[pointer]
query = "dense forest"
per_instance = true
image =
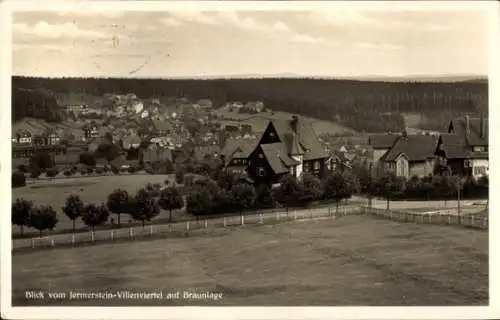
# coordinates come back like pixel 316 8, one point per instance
pixel 36 103
pixel 370 106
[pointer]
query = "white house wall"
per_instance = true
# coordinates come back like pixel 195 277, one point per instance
pixel 479 163
pixel 299 167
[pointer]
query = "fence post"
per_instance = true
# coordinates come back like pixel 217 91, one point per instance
pixel 261 218
pixel 92 235
pixel 187 226
pixel 277 216
pixel 449 218
pixel 206 223
pixel 131 232
pixel 52 243
pixel 485 223
pixel 33 242
pixel 472 218
pixel 225 222
pixel 112 234
pixel 345 211
pixel 73 239
pixel 294 214
pixel 242 220
pixel 151 230
pixel 312 213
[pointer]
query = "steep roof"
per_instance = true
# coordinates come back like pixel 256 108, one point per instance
pixel 474 138
pixel 306 138
pixel 239 148
pixel 382 141
pixel 414 147
pixel 453 146
pixel 274 153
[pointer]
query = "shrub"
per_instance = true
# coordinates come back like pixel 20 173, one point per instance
pixel 99 170
pixel 115 170
pixel 90 170
pixel 21 211
pixel 51 173
pixel 43 218
pixel 132 169
pixel 18 180
pixel 35 174
pixel 68 173
pixel 22 168
pixel 83 171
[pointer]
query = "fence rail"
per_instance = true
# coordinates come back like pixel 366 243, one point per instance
pixel 176 229
pixel 184 228
pixel 469 221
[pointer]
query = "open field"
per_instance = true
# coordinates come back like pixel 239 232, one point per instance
pixel 90 189
pixel 348 261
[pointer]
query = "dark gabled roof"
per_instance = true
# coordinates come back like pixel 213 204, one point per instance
pixel 474 138
pixel 275 154
pixel 455 146
pixel 305 135
pixel 382 141
pixel 280 150
pixel 239 148
pixel 414 147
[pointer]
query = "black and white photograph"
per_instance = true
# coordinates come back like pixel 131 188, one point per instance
pixel 226 155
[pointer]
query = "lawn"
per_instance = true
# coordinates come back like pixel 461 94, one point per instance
pixel 90 189
pixel 348 261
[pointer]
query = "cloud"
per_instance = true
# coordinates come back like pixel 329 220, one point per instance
pixel 304 38
pixel 46 30
pixel 339 18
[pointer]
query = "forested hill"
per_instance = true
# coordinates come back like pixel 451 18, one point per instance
pixel 371 106
pixel 36 103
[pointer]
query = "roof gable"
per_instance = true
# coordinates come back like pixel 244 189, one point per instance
pixel 382 141
pixel 414 147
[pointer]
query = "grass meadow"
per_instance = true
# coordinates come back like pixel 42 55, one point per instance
pixel 350 261
pixel 90 190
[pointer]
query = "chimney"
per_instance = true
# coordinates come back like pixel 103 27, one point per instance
pixel 404 132
pixel 482 126
pixel 293 123
pixel 467 124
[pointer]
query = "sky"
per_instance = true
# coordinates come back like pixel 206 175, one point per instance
pixel 323 43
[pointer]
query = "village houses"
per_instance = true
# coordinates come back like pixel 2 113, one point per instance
pixel 285 147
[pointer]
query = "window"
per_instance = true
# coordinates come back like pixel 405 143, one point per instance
pixel 479 170
pixel 261 155
pixel 292 170
pixel 317 165
pixel 261 172
pixel 468 163
pixel 478 149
